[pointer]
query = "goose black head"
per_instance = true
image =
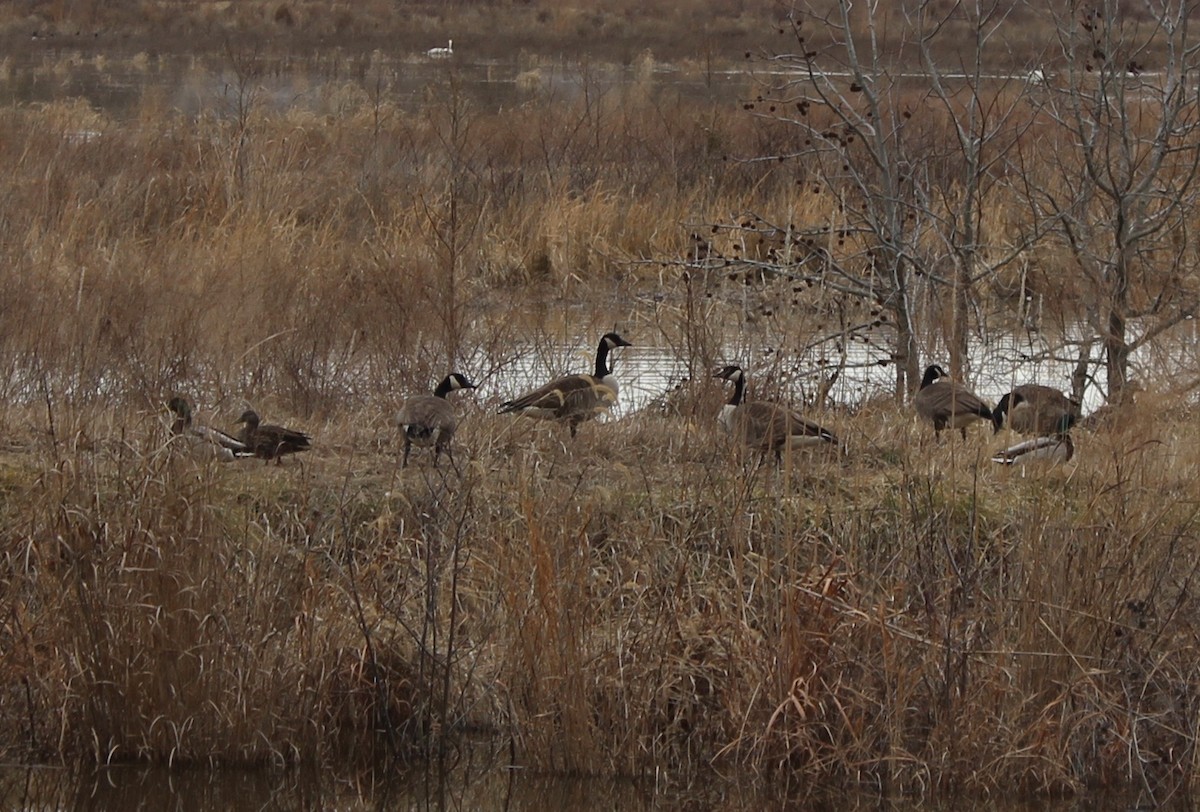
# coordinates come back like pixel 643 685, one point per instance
pixel 460 381
pixel 730 372
pixel 453 381
pixel 180 407
pixel 1008 402
pixel 932 373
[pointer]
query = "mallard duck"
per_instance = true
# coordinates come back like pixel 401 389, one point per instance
pixel 270 442
pixel 573 398
pixel 429 419
pixel 767 426
pixel 947 404
pixel 1052 448
pixel 204 440
pixel 1034 409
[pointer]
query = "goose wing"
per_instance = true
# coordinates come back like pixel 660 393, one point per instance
pixel 565 395
pixel 1042 410
pixel 771 424
pixel 944 401
pixel 425 415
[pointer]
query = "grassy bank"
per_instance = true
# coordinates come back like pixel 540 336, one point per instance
pixel 639 599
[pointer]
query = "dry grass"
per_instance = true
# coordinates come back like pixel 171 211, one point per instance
pixel 640 599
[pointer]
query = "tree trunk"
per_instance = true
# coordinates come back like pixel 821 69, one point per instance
pixel 958 334
pixel 1116 347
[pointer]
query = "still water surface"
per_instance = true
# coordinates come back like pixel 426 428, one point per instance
pixel 476 785
pixel 117 82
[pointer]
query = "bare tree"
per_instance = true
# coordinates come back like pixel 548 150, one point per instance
pixel 910 153
pixel 1124 151
pixel 453 208
pixel 861 145
pixel 983 108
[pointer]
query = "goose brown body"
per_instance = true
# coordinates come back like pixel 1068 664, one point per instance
pixel 573 398
pixel 429 420
pixel 946 404
pixel 1035 409
pixel 268 441
pixel 766 426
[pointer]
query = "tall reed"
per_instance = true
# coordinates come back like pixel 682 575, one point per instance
pixel 643 598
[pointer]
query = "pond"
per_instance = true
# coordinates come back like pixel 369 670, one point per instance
pixel 474 783
pixel 117 82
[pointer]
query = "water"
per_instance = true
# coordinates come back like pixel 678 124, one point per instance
pixel 647 373
pixel 117 82
pixel 479 783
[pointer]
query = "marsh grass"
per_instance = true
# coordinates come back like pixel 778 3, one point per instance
pixel 643 599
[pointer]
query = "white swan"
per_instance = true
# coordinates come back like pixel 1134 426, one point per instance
pixel 442 52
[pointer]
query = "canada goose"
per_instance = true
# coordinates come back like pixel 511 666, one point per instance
pixel 767 426
pixel 1035 409
pixel 1051 448
pixel 947 404
pixel 573 398
pixel 442 53
pixel 204 440
pixel 270 442
pixel 429 420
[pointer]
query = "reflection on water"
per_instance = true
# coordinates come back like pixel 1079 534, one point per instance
pixel 117 82
pixel 477 783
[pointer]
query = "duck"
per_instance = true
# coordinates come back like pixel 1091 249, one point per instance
pixel 270 442
pixel 947 404
pixel 204 440
pixel 429 420
pixel 573 398
pixel 1050 448
pixel 1035 409
pixel 764 425
pixel 442 52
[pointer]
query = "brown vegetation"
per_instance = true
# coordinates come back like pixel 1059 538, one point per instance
pixel 646 597
pixel 709 31
pixel 640 599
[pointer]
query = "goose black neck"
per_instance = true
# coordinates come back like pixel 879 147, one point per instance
pixel 602 369
pixel 444 387
pixel 1000 411
pixel 739 388
pixel 931 375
